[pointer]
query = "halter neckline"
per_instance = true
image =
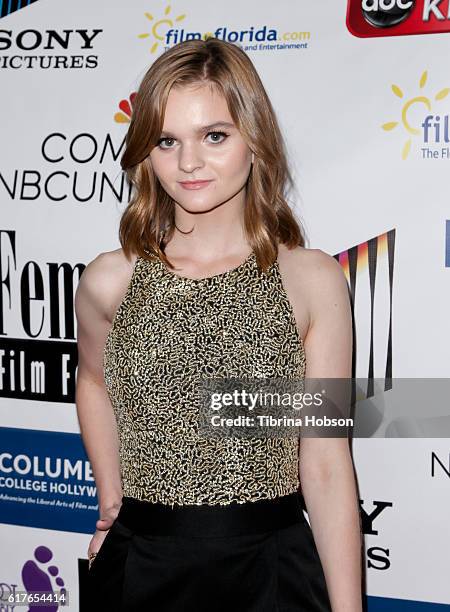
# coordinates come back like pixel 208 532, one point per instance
pixel 206 279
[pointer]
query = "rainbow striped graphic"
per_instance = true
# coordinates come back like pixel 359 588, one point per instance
pixel 369 268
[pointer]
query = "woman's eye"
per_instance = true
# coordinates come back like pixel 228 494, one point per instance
pixel 161 140
pixel 218 134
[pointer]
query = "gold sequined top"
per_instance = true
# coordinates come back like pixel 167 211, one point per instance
pixel 167 332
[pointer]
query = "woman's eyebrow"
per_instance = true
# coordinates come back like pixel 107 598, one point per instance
pixel 204 128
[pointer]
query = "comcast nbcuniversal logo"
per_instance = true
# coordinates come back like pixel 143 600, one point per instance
pixel 433 131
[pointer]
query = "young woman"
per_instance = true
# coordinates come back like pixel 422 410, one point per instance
pixel 212 280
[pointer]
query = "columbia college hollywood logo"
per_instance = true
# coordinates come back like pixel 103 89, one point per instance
pixel 370 18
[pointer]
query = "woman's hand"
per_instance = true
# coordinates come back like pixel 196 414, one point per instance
pixel 103 525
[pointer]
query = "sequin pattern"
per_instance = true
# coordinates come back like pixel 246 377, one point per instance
pixel 167 332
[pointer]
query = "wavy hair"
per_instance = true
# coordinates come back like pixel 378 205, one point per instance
pixel 148 222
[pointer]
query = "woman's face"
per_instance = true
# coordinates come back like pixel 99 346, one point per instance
pixel 200 142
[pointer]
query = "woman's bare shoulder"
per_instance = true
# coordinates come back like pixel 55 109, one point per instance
pixel 311 277
pixel 306 262
pixel 312 270
pixel 105 279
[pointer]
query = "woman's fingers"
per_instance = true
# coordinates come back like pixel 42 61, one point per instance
pixel 95 544
pixel 91 556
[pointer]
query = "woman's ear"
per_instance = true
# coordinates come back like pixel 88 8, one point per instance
pixel 253 157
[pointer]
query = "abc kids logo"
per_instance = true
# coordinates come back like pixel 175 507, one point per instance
pixel 386 13
pixel 371 18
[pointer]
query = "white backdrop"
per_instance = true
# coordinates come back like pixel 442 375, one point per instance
pixel 333 92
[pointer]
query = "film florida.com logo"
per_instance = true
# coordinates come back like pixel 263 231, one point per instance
pixel 165 28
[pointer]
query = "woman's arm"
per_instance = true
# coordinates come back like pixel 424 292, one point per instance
pixel 93 299
pixel 326 468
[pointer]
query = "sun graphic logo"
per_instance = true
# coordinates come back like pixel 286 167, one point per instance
pixel 126 110
pixel 430 128
pixel 159 27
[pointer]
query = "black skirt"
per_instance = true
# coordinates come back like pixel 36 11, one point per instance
pixel 252 557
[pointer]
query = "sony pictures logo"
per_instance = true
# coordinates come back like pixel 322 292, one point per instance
pixel 49 49
pixel 386 13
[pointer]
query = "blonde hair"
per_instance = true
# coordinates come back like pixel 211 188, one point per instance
pixel 148 222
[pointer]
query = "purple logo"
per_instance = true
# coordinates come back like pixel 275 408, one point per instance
pixel 42 577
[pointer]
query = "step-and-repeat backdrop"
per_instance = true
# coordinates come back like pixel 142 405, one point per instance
pixel 361 90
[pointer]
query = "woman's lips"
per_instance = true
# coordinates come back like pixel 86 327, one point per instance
pixel 194 184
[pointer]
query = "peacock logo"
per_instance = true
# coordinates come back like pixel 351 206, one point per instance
pixel 126 109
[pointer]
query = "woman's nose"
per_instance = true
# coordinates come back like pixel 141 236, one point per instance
pixel 190 157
